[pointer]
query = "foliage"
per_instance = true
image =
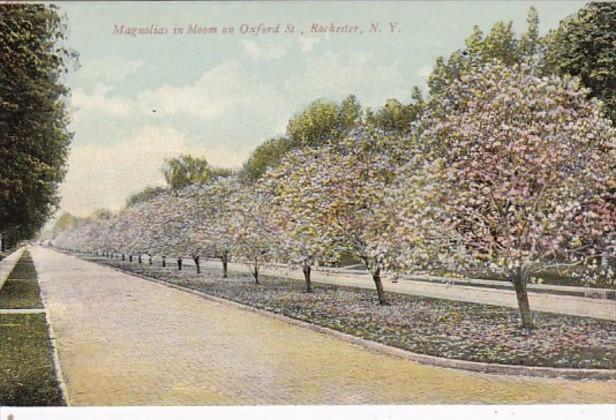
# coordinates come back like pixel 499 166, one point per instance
pixel 266 155
pixel 101 214
pixel 320 123
pixel 324 122
pixel 395 117
pixel 505 167
pixel 531 162
pixel 499 44
pixel 33 117
pixel 66 221
pixel 144 195
pixel 333 199
pixel 186 170
pixel 584 45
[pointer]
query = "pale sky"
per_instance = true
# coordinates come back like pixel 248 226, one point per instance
pixel 219 96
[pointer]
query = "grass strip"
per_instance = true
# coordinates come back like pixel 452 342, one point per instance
pixel 27 373
pixel 438 327
pixel 21 290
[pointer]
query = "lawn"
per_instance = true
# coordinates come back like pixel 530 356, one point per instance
pixel 21 290
pixel 24 269
pixel 27 375
pixel 457 330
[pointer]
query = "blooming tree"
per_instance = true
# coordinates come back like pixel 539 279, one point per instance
pixel 247 223
pixel 334 199
pixel 214 233
pixel 522 177
pixel 296 237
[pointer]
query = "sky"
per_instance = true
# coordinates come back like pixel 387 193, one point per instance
pixel 137 100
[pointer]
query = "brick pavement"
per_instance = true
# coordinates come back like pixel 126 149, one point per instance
pixel 125 341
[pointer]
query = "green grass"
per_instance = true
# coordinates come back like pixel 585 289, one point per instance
pixel 27 374
pixel 24 269
pixel 20 294
pixel 21 290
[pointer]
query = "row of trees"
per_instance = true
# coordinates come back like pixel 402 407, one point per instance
pixel 34 138
pixel 507 171
pixel 582 46
pixel 507 166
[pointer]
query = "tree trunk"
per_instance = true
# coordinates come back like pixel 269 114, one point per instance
pixel 139 258
pixel 519 283
pixel 179 263
pixel 376 277
pixel 225 261
pixel 196 259
pixel 130 258
pixel 255 272
pixel 306 269
pixel 150 259
pixel 123 257
pixel 164 261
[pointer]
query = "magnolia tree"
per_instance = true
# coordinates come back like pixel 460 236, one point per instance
pixel 185 212
pixel 334 199
pixel 296 238
pixel 518 177
pixel 247 223
pixel 214 233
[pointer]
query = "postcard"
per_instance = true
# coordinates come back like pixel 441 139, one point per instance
pixel 274 209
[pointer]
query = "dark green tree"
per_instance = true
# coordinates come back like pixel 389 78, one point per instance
pixel 66 221
pixel 396 117
pixel 500 44
pixel 266 155
pixel 34 138
pixel 584 45
pixel 320 123
pixel 186 170
pixel 144 195
pixel 324 121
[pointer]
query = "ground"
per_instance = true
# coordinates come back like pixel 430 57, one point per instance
pixel 123 340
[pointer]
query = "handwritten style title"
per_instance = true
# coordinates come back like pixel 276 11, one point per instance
pixel 257 29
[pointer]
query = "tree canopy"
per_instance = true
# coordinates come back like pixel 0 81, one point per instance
pixel 584 45
pixel 34 137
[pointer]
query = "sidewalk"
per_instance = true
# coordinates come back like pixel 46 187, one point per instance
pixel 123 340
pixel 591 292
pixel 561 304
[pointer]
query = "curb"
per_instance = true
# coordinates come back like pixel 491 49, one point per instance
pixel 56 359
pixel 54 350
pixel 481 367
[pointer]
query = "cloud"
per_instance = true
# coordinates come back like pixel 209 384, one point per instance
pixel 265 52
pixel 120 144
pixel 226 90
pixel 110 69
pixel 307 43
pixel 424 71
pixel 99 101
pixel 104 176
pixel 334 76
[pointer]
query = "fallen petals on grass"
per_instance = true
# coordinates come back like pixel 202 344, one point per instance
pixel 438 327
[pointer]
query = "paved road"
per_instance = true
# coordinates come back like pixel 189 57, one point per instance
pixel 126 341
pixel 571 305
